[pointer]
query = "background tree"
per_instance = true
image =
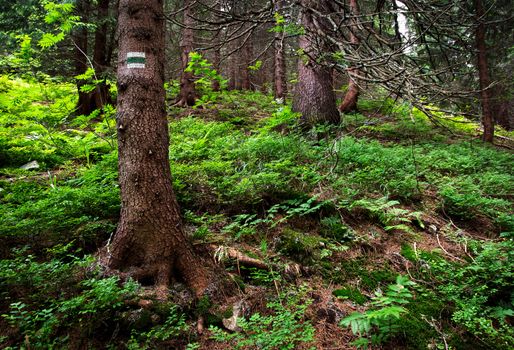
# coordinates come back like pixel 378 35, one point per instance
pixel 314 94
pixel 187 94
pixel 279 76
pixel 349 102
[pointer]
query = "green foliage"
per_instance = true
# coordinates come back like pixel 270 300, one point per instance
pixel 58 210
pixel 53 301
pixel 205 75
pixel 283 117
pixel 243 167
pixel 285 328
pixel 60 15
pixel 300 246
pixel 213 161
pixel 481 291
pixel 350 293
pixel 388 214
pixel 472 180
pixel 174 326
pixel 381 322
pixel 334 228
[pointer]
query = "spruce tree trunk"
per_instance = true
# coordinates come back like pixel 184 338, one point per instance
pixel 80 58
pixel 351 97
pixel 149 242
pixel 279 58
pixel 216 61
pixel 483 74
pixel 101 95
pixel 187 95
pixel 246 83
pixel 314 95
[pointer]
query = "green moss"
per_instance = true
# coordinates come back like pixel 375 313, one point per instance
pixel 408 252
pixel 373 279
pixel 350 293
pixel 299 246
pixel 416 332
pixel 203 305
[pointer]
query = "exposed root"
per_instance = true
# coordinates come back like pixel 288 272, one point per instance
pixel 222 252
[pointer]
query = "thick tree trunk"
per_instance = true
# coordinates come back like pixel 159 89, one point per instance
pixel 349 102
pixel 187 95
pixel 314 95
pixel 280 82
pixel 483 74
pixel 149 242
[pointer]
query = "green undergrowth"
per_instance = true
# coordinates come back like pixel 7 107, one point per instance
pixel 245 173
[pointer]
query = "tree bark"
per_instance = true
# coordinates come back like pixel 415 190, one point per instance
pixel 246 83
pixel 80 58
pixel 483 74
pixel 351 97
pixel 149 243
pixel 216 86
pixel 101 95
pixel 314 95
pixel 280 82
pixel 187 95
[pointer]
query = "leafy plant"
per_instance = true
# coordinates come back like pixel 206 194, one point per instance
pixel 284 329
pixel 481 291
pixel 174 326
pixel 388 213
pixel 378 324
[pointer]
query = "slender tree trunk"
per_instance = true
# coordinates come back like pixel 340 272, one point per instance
pixel 246 83
pixel 149 242
pixel 483 74
pixel 280 81
pixel 187 95
pixel 101 94
pixel 216 57
pixel 217 61
pixel 349 102
pixel 80 57
pixel 314 95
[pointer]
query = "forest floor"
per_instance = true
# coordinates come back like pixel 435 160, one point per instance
pixel 389 230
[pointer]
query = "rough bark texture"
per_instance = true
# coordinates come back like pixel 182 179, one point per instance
pixel 483 74
pixel 187 95
pixel 314 96
pixel 149 243
pixel 280 82
pixel 349 102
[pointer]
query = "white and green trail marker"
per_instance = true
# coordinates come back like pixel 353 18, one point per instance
pixel 136 60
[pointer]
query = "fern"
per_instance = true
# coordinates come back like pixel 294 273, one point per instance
pixel 379 323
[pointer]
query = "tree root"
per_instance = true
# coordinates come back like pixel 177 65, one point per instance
pixel 222 252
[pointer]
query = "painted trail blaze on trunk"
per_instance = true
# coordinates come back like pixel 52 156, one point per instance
pixel 149 242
